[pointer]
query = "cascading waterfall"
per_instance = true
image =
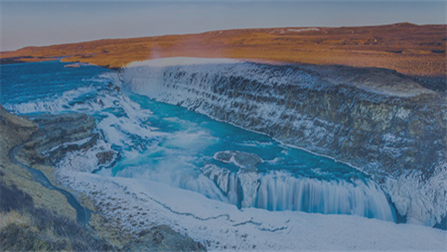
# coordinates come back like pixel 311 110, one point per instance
pixel 280 191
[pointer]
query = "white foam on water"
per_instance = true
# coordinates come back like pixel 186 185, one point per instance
pixel 280 191
pixel 184 61
pixel 121 121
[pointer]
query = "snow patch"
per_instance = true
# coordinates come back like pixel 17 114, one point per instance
pixel 423 202
pixel 303 29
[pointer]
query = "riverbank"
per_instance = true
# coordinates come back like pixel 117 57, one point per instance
pixel 49 216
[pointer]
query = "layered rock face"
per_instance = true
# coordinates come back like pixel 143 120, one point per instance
pixel 163 238
pixel 377 120
pixel 59 134
pixel 14 130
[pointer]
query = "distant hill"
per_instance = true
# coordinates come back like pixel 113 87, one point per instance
pixel 416 50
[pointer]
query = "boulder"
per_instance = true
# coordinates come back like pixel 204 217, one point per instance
pixel 163 238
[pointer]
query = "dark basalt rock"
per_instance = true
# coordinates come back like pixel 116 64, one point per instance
pixel 105 157
pixel 163 238
pixel 59 134
pixel 14 130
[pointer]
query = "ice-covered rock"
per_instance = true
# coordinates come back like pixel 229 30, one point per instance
pixel 239 187
pixel 249 180
pixel 70 141
pixel 241 159
pixel 219 175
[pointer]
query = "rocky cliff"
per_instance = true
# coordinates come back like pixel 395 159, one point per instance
pixel 375 119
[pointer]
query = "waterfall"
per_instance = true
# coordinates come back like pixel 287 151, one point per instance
pixel 280 191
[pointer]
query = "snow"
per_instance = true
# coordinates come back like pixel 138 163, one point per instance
pixel 65 145
pixel 424 203
pixel 240 159
pixel 303 29
pixel 138 204
pixel 85 161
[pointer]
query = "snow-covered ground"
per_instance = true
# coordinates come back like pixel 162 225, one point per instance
pixel 138 204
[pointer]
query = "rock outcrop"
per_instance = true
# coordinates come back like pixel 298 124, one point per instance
pixel 59 134
pixel 163 238
pixel 241 159
pixel 14 130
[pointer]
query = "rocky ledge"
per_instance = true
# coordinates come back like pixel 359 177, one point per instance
pixel 58 135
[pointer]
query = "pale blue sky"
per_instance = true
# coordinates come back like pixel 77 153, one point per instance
pixel 26 23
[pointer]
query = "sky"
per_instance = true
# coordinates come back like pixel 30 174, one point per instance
pixel 37 23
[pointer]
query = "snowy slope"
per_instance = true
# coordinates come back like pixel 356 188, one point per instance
pixel 139 204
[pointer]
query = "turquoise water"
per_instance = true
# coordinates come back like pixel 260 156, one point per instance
pixel 204 137
pixel 170 144
pixel 28 82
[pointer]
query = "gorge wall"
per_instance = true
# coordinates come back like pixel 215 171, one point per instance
pixel 380 121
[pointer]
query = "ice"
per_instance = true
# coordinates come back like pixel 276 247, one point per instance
pixel 423 203
pixel 220 176
pixel 249 180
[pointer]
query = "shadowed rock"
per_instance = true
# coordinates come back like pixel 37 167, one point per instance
pixel 59 134
pixel 163 238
